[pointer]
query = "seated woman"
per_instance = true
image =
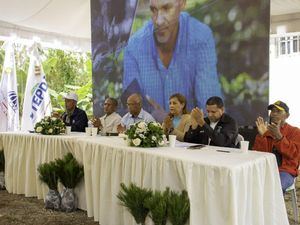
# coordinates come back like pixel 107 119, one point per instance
pixel 178 120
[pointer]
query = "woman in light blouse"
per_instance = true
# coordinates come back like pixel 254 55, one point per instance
pixel 178 120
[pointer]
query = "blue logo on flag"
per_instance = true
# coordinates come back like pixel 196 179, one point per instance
pixel 13 100
pixel 38 98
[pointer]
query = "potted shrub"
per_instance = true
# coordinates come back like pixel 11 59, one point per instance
pixel 133 198
pixel 48 173
pixel 178 207
pixel 2 168
pixel 70 173
pixel 157 204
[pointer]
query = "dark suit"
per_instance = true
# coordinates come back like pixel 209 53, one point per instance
pixel 78 120
pixel 224 134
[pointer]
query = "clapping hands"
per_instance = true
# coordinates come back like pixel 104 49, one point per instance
pixel 168 121
pixel 263 127
pixel 274 129
pixel 96 122
pixel 198 116
pixel 121 129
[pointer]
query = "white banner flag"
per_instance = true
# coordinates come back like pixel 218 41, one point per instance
pixel 9 104
pixel 37 102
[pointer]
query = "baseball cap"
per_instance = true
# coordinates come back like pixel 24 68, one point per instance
pixel 72 96
pixel 279 105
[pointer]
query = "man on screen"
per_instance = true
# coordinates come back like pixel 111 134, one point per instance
pixel 172 53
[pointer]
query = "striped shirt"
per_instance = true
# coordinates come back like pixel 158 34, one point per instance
pixel 191 72
pixel 128 119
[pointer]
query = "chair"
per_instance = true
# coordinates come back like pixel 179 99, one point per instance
pixel 249 133
pixel 238 140
pixel 292 189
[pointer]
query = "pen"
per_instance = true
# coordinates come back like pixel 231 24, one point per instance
pixel 223 151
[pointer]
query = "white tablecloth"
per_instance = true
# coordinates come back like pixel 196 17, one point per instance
pixel 224 188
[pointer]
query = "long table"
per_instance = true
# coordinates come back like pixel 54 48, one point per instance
pixel 224 188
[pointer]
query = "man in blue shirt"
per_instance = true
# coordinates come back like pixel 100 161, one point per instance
pixel 172 53
pixel 135 114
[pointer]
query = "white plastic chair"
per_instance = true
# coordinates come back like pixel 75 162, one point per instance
pixel 292 189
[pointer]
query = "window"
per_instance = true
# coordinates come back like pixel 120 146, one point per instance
pixel 282 46
pixel 295 44
pixel 288 45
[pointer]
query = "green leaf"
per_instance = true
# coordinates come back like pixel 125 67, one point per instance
pixel 70 172
pixel 133 198
pixel 157 205
pixel 48 173
pixel 178 207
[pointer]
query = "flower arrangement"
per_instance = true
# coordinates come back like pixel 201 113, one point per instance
pixel 143 134
pixel 50 126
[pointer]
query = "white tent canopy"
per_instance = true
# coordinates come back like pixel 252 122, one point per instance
pixel 66 23
pixel 57 23
pixel 280 7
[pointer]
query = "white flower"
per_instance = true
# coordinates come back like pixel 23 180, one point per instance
pixel 161 143
pixel 53 118
pixel 39 129
pixel 136 141
pixel 142 125
pixel 50 131
pixel 154 138
pixel 142 136
pixel 138 130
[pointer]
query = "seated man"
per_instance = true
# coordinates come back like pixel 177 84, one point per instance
pixel 218 128
pixel 281 139
pixel 135 114
pixel 74 117
pixel 110 121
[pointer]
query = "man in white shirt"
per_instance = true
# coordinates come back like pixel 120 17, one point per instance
pixel 110 121
pixel 135 114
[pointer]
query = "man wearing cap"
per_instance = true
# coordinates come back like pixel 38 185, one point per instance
pixel 74 117
pixel 282 139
